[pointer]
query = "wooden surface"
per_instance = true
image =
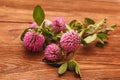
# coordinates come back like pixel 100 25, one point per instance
pixel 96 64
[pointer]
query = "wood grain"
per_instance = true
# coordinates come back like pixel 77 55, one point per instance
pixel 96 64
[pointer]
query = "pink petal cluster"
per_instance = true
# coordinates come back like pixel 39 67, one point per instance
pixel 47 22
pixel 52 52
pixel 33 25
pixel 58 24
pixel 33 41
pixel 70 41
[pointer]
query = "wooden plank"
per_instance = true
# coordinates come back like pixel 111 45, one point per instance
pixel 16 61
pixel 21 11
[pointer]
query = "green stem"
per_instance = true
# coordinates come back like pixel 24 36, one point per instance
pixel 82 32
pixel 68 27
pixel 70 56
pixel 39 27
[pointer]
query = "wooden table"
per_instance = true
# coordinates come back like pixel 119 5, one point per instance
pixel 95 63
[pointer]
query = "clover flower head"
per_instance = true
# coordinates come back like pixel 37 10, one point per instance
pixel 33 41
pixel 33 25
pixel 70 41
pixel 52 52
pixel 58 24
pixel 47 22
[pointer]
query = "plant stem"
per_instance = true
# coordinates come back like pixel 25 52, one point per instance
pixel 82 32
pixel 39 27
pixel 68 27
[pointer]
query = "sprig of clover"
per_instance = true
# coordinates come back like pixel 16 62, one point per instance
pixel 89 31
